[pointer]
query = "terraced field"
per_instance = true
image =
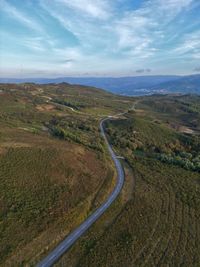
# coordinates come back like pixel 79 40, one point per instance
pixel 174 238
pixel 155 228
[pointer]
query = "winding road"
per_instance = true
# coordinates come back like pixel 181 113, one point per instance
pixel 57 252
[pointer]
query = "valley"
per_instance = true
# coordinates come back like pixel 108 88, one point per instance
pixel 56 171
pixel 99 133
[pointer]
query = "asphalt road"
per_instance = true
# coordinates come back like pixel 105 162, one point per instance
pixel 54 255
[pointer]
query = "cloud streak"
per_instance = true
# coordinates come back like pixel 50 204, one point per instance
pixel 111 36
pixel 19 16
pixel 96 9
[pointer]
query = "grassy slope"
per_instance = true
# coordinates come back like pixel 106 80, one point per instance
pixel 48 185
pixel 156 219
pixel 159 223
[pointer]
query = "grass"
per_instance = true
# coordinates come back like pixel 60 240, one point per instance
pixel 51 182
pixel 156 227
pixel 49 185
pixel 159 224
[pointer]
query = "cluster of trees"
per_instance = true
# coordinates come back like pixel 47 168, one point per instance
pixel 73 123
pixel 154 141
pixel 75 106
pixel 183 159
pixel 191 106
pixel 64 134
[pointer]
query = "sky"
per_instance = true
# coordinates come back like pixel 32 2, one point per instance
pixel 57 38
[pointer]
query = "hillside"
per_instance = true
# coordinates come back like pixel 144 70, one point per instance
pixel 123 85
pixel 184 85
pixel 156 219
pixel 54 169
pixel 132 86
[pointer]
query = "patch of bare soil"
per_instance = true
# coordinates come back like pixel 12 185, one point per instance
pixel 181 128
pixel 139 111
pixel 13 144
pixel 184 129
pixel 45 107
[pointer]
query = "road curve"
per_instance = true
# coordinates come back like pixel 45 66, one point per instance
pixel 57 252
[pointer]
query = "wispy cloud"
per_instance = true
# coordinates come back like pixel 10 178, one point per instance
pixel 189 45
pixel 97 9
pixel 116 36
pixel 143 29
pixel 34 43
pixel 132 33
pixel 20 16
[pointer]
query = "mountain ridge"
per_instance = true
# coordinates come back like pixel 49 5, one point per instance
pixel 129 85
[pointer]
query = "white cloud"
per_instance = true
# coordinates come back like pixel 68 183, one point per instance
pixel 142 30
pixel 34 43
pixel 92 35
pixel 97 9
pixel 166 10
pixel 134 36
pixel 107 37
pixel 175 5
pixel 24 19
pixel 190 43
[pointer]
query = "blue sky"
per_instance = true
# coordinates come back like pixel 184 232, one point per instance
pixel 52 38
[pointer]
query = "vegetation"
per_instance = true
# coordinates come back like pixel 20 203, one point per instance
pixel 55 170
pixel 184 159
pixel 158 224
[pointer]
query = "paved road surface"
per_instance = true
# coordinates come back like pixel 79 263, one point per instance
pixel 54 255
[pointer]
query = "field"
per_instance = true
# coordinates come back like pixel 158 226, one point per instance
pixel 158 222
pixel 156 227
pixel 55 170
pixel 49 182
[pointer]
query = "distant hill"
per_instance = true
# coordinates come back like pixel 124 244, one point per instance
pixel 121 85
pixel 184 85
pixel 138 85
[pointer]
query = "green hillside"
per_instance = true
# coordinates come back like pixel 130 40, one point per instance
pixel 50 180
pixel 156 219
pixel 55 170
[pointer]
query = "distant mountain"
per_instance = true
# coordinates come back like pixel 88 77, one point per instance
pixel 123 85
pixel 138 85
pixel 184 85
